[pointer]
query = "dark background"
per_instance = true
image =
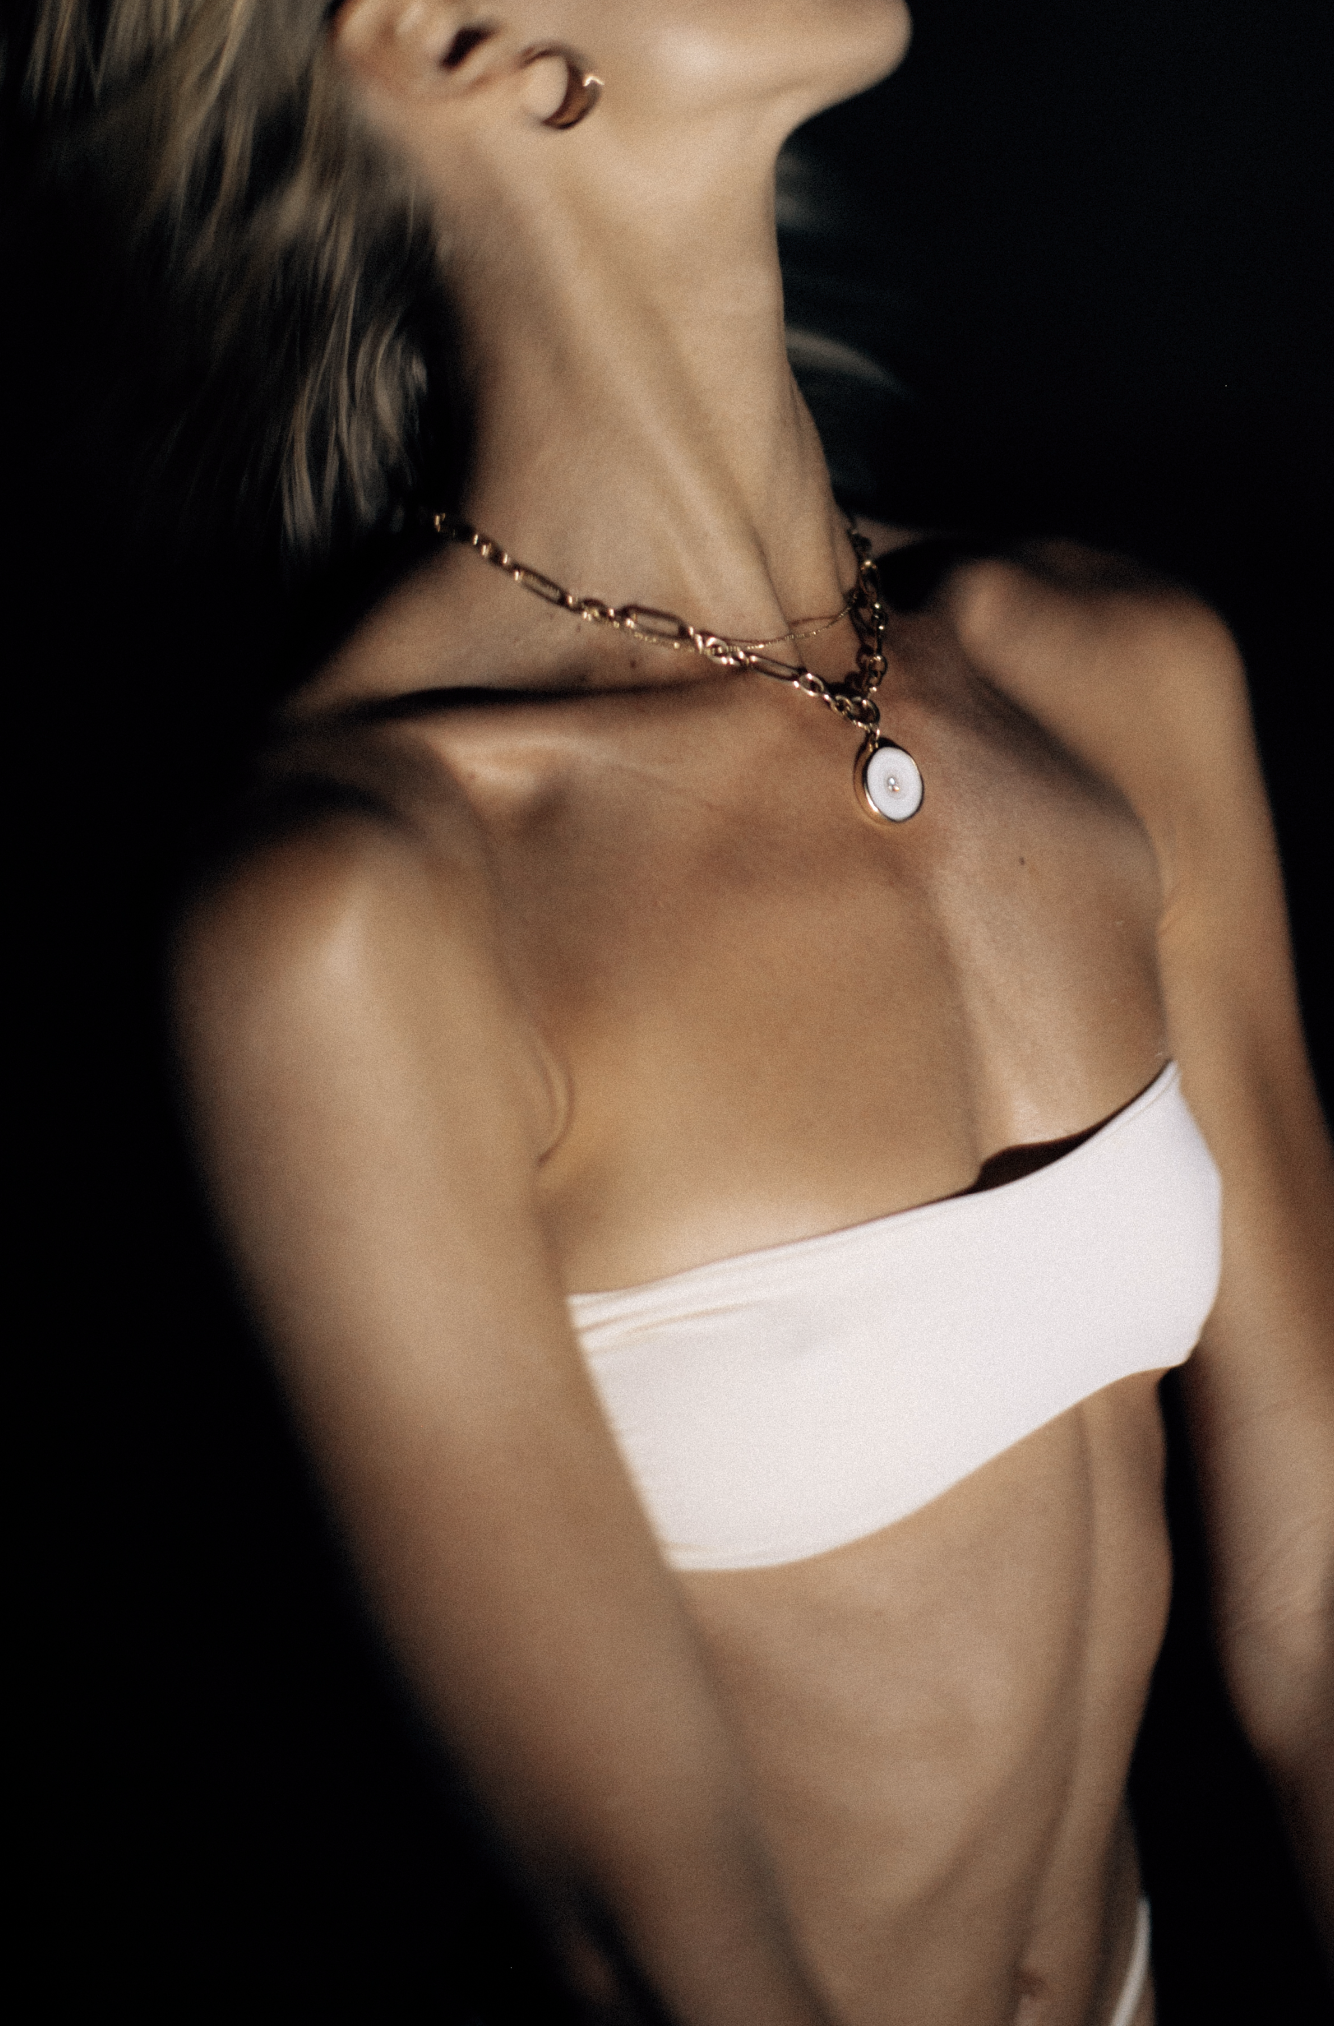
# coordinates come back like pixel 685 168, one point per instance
pixel 1090 247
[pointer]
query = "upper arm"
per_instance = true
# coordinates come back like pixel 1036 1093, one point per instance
pixel 356 1074
pixel 1144 684
pixel 355 1070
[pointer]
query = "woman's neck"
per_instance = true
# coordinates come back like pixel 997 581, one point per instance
pixel 637 431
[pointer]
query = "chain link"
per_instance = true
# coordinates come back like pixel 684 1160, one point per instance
pixel 853 698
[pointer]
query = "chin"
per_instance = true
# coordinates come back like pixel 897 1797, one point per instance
pixel 871 36
pixel 681 58
pixel 893 26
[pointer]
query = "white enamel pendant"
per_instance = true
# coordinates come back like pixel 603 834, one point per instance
pixel 891 782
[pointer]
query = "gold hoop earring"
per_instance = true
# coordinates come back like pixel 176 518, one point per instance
pixel 583 87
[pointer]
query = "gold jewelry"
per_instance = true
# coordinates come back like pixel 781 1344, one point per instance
pixel 806 629
pixel 887 778
pixel 583 87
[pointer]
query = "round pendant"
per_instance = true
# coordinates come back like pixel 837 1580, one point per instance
pixel 891 783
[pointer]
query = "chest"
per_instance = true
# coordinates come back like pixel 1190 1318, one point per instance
pixel 771 1011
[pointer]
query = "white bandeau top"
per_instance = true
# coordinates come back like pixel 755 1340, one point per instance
pixel 784 1402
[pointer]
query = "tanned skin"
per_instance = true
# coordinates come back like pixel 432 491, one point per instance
pixel 587 968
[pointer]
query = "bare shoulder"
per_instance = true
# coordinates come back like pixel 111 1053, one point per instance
pixel 1071 598
pixel 1134 674
pixel 1143 684
pixel 352 930
pixel 287 903
pixel 301 898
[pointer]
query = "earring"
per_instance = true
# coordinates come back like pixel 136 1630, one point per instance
pixel 583 88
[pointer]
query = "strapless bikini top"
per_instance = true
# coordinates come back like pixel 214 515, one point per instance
pixel 785 1402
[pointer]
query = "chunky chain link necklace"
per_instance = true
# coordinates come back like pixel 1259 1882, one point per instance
pixel 887 779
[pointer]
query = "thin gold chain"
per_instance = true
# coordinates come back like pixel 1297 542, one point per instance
pixel 806 629
pixel 853 698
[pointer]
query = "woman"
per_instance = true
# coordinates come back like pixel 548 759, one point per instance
pixel 721 1213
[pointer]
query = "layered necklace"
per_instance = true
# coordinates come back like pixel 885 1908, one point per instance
pixel 887 780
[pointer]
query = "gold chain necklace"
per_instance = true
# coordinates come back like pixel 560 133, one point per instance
pixel 888 779
pixel 804 629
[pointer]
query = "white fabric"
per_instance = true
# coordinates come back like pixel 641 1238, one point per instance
pixel 784 1402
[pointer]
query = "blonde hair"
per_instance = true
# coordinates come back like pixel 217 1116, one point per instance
pixel 291 276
